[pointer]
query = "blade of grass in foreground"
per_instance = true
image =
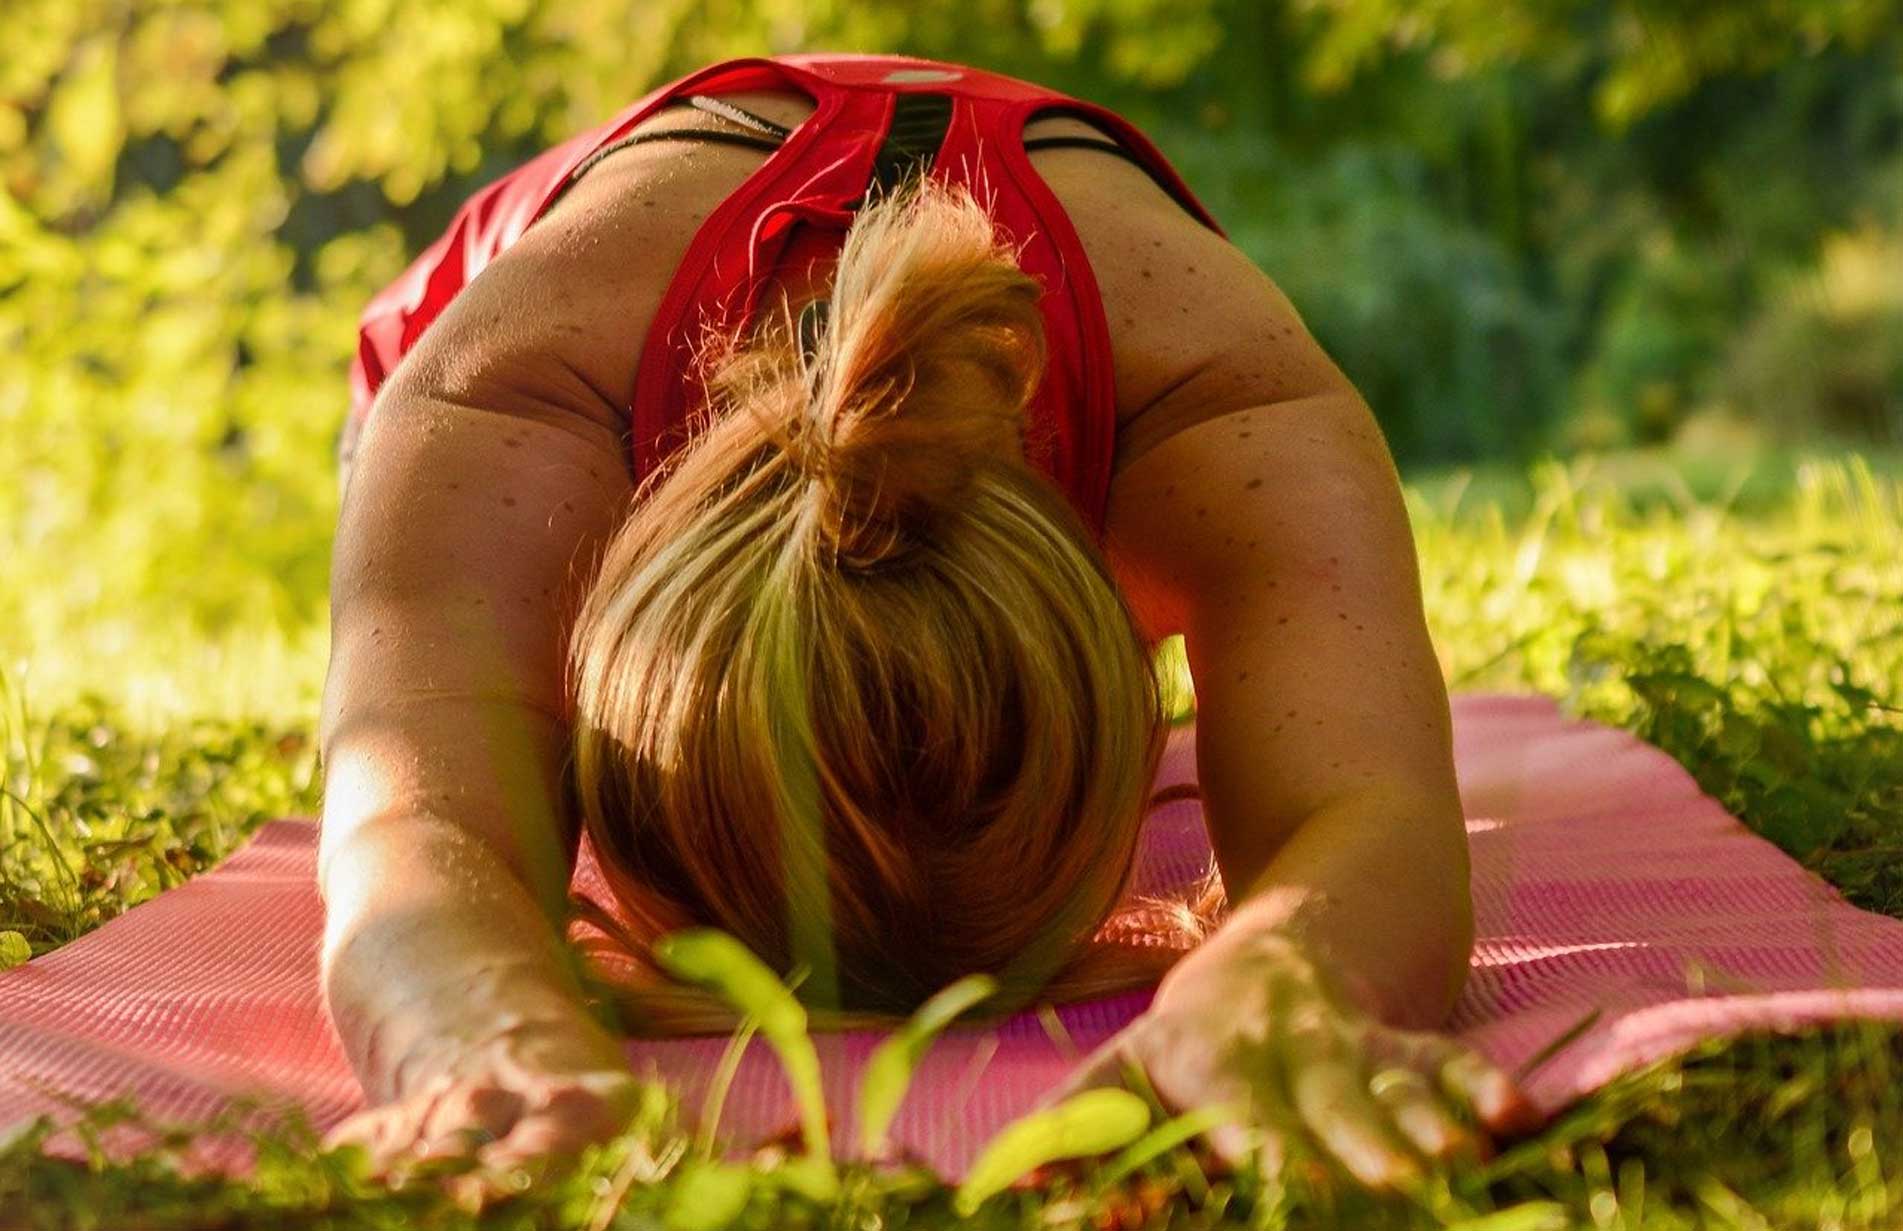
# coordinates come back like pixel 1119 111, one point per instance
pixel 1093 1122
pixel 713 958
pixel 717 1088
pixel 889 1071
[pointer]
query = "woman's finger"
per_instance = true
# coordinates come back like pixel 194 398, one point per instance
pixel 1272 1153
pixel 561 1122
pixel 1476 1083
pixel 371 1131
pixel 540 1140
pixel 1258 1121
pixel 359 1130
pixel 1350 1124
pixel 468 1119
pixel 1417 1109
pixel 1112 1063
pixel 1499 1102
pixel 1327 1089
pixel 395 1135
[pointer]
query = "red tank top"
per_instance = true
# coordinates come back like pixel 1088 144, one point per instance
pixel 795 209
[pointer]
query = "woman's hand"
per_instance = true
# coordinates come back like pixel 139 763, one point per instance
pixel 1253 1022
pixel 532 1093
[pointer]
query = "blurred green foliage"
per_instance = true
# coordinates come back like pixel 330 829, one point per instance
pixel 1521 226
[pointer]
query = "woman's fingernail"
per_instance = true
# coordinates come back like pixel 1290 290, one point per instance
pixel 1497 1096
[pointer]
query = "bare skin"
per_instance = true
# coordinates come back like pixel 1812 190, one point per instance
pixel 1254 508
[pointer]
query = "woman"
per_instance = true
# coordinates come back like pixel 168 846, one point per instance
pixel 776 507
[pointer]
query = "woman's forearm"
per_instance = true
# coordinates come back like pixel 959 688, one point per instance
pixel 432 946
pixel 1377 884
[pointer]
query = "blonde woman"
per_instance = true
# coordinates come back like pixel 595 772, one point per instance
pixel 777 503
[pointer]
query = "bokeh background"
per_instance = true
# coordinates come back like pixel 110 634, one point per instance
pixel 1523 226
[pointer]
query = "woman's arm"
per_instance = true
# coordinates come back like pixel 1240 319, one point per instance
pixel 1323 738
pixel 443 861
pixel 1259 514
pixel 1262 518
pixel 490 473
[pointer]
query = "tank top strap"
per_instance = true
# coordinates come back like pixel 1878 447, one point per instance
pixel 496 216
pixel 794 211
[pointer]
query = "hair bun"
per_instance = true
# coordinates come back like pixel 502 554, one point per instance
pixel 910 376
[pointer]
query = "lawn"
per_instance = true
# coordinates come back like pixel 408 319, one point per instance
pixel 1745 616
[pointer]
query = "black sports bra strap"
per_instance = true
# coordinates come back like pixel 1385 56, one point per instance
pixel 1087 143
pixel 672 134
pixel 702 102
pixel 1121 151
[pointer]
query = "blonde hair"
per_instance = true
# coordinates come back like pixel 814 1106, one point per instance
pixel 854 682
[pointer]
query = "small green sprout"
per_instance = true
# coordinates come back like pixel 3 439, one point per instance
pixel 707 1196
pixel 1093 1122
pixel 713 958
pixel 889 1071
pixel 1526 1216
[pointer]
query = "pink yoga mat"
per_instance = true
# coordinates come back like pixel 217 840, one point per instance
pixel 1602 877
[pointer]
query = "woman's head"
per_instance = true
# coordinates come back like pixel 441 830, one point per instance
pixel 853 682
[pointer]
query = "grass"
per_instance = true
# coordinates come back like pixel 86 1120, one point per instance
pixel 1746 618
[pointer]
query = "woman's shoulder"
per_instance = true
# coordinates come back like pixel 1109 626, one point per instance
pixel 565 309
pixel 1197 329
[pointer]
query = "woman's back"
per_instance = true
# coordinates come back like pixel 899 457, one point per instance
pixel 1172 295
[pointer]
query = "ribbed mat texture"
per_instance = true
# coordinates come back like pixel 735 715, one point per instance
pixel 1602 877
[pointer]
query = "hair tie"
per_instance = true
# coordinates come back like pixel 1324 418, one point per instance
pixel 813 318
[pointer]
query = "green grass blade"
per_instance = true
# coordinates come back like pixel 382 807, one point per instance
pixel 888 1072
pixel 707 1196
pixel 1165 1136
pixel 1527 1216
pixel 718 1086
pixel 1557 1044
pixel 714 959
pixel 1093 1122
pixel 812 1178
